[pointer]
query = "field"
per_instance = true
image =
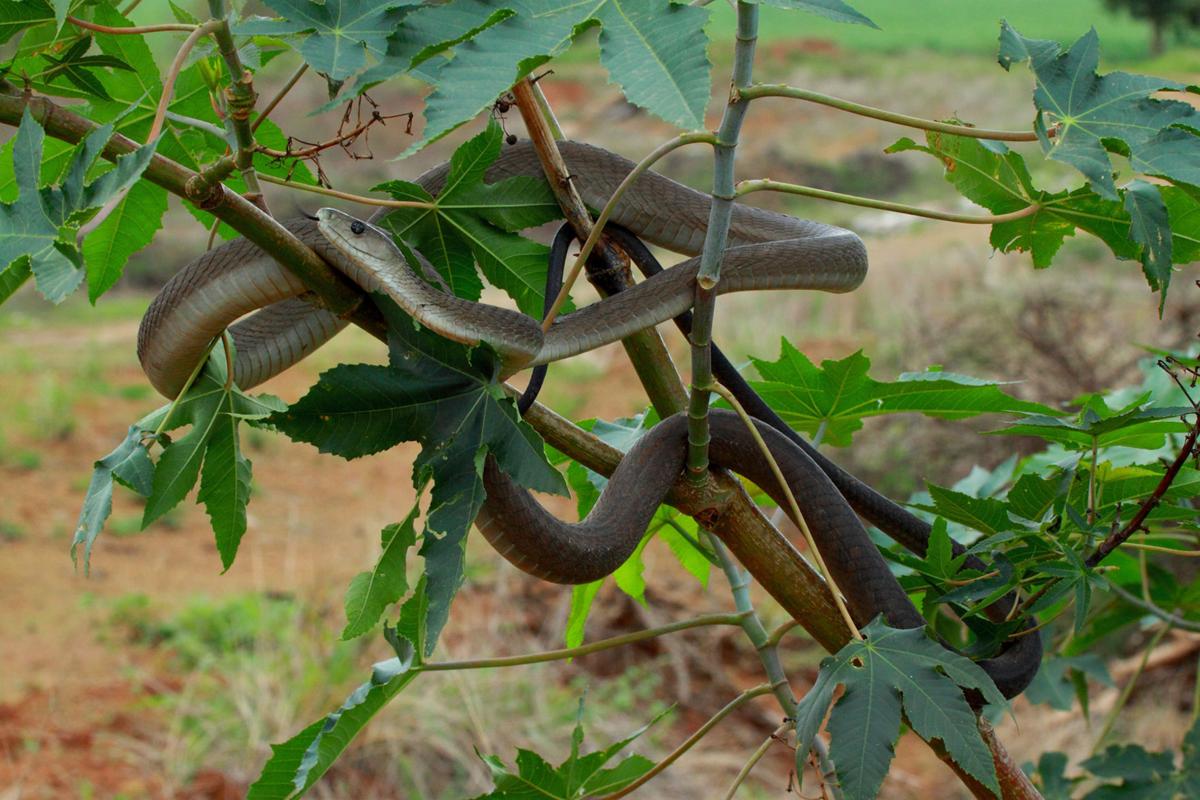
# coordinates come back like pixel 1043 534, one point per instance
pixel 157 676
pixel 962 26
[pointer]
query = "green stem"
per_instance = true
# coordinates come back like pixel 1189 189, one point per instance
pixel 1172 620
pixel 766 184
pixel 136 30
pixel 715 238
pixel 755 757
pixel 1127 689
pixel 240 96
pixel 582 650
pixel 1092 482
pixel 278 98
pixel 547 110
pixel 779 90
pixel 162 426
pixel 768 654
pixel 688 743
pixel 353 198
pixel 819 436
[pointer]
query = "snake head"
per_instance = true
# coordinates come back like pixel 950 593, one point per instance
pixel 354 237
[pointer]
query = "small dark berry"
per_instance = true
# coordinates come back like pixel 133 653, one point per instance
pixel 511 138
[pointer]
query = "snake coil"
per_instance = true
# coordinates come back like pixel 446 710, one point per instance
pixel 767 251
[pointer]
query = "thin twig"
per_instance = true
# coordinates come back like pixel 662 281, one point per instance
pixel 136 30
pixel 582 650
pixel 278 98
pixel 353 198
pixel 687 743
pixel 160 113
pixel 1127 689
pixel 1116 539
pixel 1166 616
pixel 779 90
pixel 755 757
pixel 342 140
pixel 767 184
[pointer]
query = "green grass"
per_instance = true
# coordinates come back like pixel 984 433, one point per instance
pixel 957 26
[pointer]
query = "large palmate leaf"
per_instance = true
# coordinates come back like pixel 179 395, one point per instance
pixel 580 775
pixel 39 227
pixel 475 221
pixel 889 671
pixel 654 49
pixel 1083 116
pixel 1093 114
pixel 1156 225
pixel 338 34
pixel 448 398
pixel 836 396
pixel 213 409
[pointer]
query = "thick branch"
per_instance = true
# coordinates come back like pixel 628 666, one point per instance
pixel 645 349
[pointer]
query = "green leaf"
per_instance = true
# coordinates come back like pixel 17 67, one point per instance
pixel 579 776
pixel 18 16
pixel 75 65
pixel 839 394
pixel 130 227
pixel 1137 424
pixel 225 480
pixel 1150 228
pixel 835 10
pixel 130 464
pixel 1157 225
pixel 889 671
pixel 41 223
pixel 582 597
pixel 654 49
pixel 13 277
pixel 1093 112
pixel 448 398
pixel 1053 685
pixel 338 34
pixel 298 763
pixel 474 221
pixel 372 592
pixel 213 409
pixel 985 514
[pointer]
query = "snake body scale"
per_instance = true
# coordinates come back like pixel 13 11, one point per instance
pixel 767 251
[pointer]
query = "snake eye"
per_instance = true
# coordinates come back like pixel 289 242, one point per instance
pixel 357 227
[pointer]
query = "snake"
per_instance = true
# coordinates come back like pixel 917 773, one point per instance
pixel 239 288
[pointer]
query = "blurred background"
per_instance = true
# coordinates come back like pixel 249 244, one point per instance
pixel 158 676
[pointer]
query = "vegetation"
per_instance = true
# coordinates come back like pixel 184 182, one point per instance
pixel 1163 16
pixel 1082 534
